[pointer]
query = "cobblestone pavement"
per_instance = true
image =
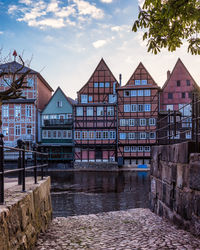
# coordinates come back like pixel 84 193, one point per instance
pixel 131 229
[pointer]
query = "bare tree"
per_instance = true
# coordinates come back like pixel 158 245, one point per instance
pixel 15 85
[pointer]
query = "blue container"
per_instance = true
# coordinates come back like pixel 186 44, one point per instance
pixel 142 166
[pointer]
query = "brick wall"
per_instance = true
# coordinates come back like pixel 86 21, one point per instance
pixel 175 185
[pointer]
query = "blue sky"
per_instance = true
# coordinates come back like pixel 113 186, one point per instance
pixel 67 39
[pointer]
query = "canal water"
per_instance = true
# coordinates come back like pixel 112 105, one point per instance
pixel 78 193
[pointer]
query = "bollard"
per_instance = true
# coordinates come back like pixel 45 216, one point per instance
pixel 35 162
pixel 19 144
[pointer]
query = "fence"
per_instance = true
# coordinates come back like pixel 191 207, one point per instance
pixel 43 157
pixel 174 126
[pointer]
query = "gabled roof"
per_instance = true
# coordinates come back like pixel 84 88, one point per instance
pixel 69 99
pixel 12 67
pixel 102 65
pixel 132 76
pixel 171 74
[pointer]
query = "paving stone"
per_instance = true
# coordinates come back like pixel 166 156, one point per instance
pixel 121 230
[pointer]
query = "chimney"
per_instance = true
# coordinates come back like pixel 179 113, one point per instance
pixel 168 74
pixel 120 79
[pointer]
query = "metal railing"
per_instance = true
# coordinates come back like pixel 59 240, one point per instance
pixel 175 126
pixel 57 122
pixel 22 168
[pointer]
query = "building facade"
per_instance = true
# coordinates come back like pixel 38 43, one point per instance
pixel 57 127
pixel 137 117
pixel 20 117
pixel 175 100
pixel 95 118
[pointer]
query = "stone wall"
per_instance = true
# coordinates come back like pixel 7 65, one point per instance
pixel 96 165
pixel 25 215
pixel 175 185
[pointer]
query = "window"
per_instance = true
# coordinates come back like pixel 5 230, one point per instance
pixel 132 122
pixel 147 92
pixel 49 134
pixel 126 93
pixel 84 98
pixel 17 129
pixel 29 130
pixel 6 82
pixel 59 104
pixel 122 136
pixel 5 110
pixel 137 82
pixel 101 84
pixel 91 135
pixel 28 110
pixel 141 107
pixel 140 92
pixel 90 98
pixel 69 116
pixel 84 135
pixel 107 84
pixel 133 92
pixel 170 95
pixel 178 83
pixel 5 131
pixel 147 107
pixel 54 133
pixel 188 135
pixel 147 149
pixel 140 148
pixel 79 111
pixel 185 109
pixel 126 107
pixel 53 117
pixel 44 134
pixel 69 134
pixel 127 148
pixel 188 82
pixel 110 111
pixel 131 135
pixel 190 95
pixel 133 107
pixel 152 121
pixel 133 148
pixel 105 134
pixel 89 111
pixel 142 135
pixel 98 135
pixel 183 94
pixel 59 133
pixel 112 135
pixel 30 82
pixel 100 111
pixel 17 110
pixel 45 117
pixel 152 135
pixel 77 134
pixel 95 84
pixel 170 107
pixel 122 122
pixel 143 122
pixel 144 82
pixel 112 98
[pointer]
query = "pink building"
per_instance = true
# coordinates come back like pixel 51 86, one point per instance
pixel 20 117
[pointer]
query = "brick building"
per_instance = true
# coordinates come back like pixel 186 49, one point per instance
pixel 137 116
pixel 20 117
pixel 95 118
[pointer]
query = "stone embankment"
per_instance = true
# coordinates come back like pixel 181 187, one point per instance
pixel 24 214
pixel 122 230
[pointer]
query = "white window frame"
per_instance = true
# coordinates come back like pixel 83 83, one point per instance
pixel 84 98
pixel 90 111
pixel 5 131
pixel 152 121
pixel 17 130
pixel 122 122
pixel 59 104
pixel 140 92
pixel 100 111
pixel 29 129
pixel 143 122
pixel 110 111
pixel 127 149
pixel 143 136
pixel 17 110
pixel 147 107
pixel 28 110
pixel 112 135
pixel 134 108
pixel 77 135
pixel 79 111
pixel 133 92
pixel 131 122
pixel 98 135
pixel 127 108
pixel 147 92
pixel 5 111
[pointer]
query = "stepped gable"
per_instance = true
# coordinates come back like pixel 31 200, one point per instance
pixel 102 73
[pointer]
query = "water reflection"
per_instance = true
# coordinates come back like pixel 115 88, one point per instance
pixel 75 193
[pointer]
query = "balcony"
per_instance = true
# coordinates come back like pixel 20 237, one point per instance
pixel 57 122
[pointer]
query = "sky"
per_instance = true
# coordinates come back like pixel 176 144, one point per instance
pixel 68 38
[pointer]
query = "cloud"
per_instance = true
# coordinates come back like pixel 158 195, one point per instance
pixel 141 3
pixel 122 28
pixel 99 43
pixel 55 13
pixel 106 1
pixel 1 32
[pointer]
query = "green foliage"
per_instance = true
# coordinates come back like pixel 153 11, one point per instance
pixel 168 22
